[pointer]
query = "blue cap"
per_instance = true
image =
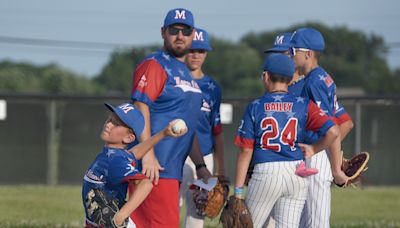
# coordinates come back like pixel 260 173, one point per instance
pixel 130 115
pixel 282 43
pixel 179 16
pixel 309 38
pixel 200 40
pixel 279 64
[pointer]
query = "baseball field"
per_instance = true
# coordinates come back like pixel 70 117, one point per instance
pixel 42 206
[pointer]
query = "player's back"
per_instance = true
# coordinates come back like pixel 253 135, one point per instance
pixel 276 122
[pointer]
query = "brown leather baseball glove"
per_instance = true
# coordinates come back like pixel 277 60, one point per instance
pixel 355 166
pixel 236 214
pixel 210 203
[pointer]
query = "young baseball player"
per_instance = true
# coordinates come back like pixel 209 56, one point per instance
pixel 209 130
pixel 307 45
pixel 115 168
pixel 163 89
pixel 268 137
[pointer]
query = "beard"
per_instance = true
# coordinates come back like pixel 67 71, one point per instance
pixel 177 52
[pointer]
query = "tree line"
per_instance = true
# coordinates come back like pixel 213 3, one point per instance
pixel 353 58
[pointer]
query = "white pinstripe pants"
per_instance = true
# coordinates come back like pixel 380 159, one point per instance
pixel 275 189
pixel 317 209
pixel 191 219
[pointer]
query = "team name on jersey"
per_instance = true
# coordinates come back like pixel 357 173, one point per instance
pixel 278 106
pixel 93 178
pixel 187 85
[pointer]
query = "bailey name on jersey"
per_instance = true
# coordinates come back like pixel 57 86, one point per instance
pixel 278 106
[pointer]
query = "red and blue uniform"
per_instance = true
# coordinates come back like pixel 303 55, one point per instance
pixel 210 121
pixel 274 123
pixel 167 87
pixel 111 171
pixel 297 88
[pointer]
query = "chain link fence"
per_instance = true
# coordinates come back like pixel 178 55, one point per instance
pixel 53 139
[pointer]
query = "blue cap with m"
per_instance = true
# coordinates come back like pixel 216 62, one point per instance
pixel 130 115
pixel 281 43
pixel 279 64
pixel 200 40
pixel 308 38
pixel 179 16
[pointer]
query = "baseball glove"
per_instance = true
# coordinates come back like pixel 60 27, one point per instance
pixel 354 167
pixel 236 214
pixel 101 209
pixel 210 203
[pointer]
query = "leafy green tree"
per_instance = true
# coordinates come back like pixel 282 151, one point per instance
pixel 24 77
pixel 116 75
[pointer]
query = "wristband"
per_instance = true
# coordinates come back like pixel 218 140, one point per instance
pixel 238 192
pixel 199 166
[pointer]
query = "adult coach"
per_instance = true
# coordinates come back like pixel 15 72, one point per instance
pixel 307 45
pixel 268 135
pixel 209 130
pixel 163 90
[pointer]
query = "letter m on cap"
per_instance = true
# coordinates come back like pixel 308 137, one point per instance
pixel 126 108
pixel 198 36
pixel 279 40
pixel 180 14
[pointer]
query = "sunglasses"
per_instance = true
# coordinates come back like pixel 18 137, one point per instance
pixel 173 31
pixel 293 51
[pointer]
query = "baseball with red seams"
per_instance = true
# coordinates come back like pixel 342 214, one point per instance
pixel 179 126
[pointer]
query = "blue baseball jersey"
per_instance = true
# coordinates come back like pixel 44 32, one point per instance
pixel 273 124
pixel 340 114
pixel 210 120
pixel 167 87
pixel 320 87
pixel 111 171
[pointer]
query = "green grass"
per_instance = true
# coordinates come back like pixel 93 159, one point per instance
pixel 42 206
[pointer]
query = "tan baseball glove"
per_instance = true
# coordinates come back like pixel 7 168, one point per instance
pixel 210 203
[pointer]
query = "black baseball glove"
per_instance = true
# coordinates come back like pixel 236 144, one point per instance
pixel 101 209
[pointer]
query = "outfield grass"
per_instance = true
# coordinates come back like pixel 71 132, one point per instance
pixel 41 206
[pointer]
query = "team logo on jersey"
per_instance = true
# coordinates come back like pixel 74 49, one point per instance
pixel 93 178
pixel 328 80
pixel 205 106
pixel 187 86
pixel 143 81
pixel 198 36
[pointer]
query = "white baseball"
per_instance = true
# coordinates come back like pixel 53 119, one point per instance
pixel 178 126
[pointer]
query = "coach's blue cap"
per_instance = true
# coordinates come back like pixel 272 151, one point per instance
pixel 309 38
pixel 279 64
pixel 200 40
pixel 130 115
pixel 179 16
pixel 281 43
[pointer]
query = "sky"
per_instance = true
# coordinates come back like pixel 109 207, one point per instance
pixel 80 35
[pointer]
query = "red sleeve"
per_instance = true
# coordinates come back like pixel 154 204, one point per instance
pixel 149 79
pixel 243 142
pixel 343 118
pixel 316 117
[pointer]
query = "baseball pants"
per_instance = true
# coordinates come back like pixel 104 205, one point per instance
pixel 317 209
pixel 191 219
pixel 275 189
